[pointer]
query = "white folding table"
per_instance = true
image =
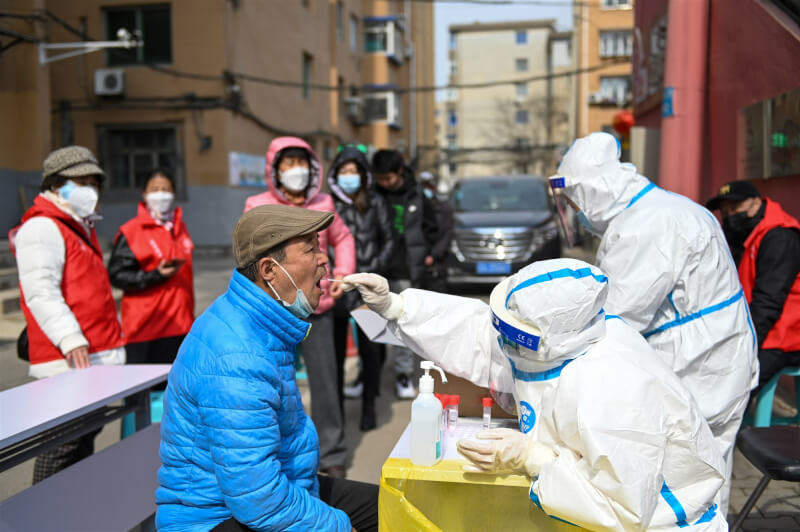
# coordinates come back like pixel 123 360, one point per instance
pixel 43 414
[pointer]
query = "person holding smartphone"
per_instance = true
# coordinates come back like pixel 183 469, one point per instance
pixel 151 262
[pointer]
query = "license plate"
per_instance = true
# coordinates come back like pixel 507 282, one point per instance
pixel 493 268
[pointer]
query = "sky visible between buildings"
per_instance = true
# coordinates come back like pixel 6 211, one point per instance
pixel 447 14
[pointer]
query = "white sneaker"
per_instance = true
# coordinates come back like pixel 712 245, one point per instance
pixel 354 390
pixel 405 390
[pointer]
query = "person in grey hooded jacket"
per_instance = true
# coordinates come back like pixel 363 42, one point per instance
pixel 366 214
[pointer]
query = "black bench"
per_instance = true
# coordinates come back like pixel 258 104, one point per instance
pixel 111 490
pixel 775 451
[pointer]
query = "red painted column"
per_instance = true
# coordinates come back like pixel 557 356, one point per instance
pixel 685 73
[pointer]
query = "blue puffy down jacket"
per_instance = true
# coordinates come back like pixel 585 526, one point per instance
pixel 235 440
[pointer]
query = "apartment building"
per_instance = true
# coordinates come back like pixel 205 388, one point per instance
pixel 520 117
pixel 603 46
pixel 212 85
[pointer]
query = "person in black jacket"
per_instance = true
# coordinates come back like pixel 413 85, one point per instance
pixel 366 214
pixel 765 244
pixel 414 221
pixel 435 277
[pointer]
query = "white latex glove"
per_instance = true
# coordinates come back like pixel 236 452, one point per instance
pixel 374 290
pixel 507 450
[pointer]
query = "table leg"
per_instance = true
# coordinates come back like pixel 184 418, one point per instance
pixel 141 401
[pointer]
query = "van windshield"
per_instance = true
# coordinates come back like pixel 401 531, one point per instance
pixel 500 195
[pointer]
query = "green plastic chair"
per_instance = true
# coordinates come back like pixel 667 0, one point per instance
pixel 762 415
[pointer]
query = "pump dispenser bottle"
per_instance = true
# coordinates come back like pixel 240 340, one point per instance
pixel 426 421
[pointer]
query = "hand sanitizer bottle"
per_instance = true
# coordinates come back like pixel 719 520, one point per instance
pixel 426 421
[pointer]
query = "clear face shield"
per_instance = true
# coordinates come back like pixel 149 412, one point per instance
pixel 570 217
pixel 513 337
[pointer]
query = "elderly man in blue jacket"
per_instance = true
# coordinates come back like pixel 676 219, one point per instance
pixel 238 452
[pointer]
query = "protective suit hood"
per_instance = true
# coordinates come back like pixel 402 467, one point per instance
pixel 596 181
pixel 560 301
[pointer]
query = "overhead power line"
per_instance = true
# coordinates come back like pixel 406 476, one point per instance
pixel 228 76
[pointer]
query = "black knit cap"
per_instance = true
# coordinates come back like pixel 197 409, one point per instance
pixel 733 191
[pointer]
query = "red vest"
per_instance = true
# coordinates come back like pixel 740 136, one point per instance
pixel 166 309
pixel 785 334
pixel 84 286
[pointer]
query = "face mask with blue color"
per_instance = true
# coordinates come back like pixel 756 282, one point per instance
pixel 81 199
pixel 301 308
pixel 350 183
pixel 584 221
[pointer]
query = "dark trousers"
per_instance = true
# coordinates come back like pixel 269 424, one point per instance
pixel 158 351
pixel 372 356
pixel 358 500
pixel 55 460
pixel 771 362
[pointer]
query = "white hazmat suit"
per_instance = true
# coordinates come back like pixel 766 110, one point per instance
pixel 617 442
pixel 671 277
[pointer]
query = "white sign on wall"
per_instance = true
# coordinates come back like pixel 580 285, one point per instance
pixel 246 170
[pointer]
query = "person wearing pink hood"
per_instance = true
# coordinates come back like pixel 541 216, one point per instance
pixel 294 177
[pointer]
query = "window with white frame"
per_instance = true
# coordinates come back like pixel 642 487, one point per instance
pixel 384 36
pixel 353 33
pixel 130 152
pixel 521 64
pixel 618 43
pixel 616 3
pixel 521 90
pixel 521 37
pixel 615 89
pixel 383 107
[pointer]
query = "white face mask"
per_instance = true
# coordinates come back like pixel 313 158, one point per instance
pixel 159 202
pixel 82 199
pixel 295 179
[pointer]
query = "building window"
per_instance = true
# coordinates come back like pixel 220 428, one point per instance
pixel 384 36
pixel 616 44
pixel 306 3
pixel 129 153
pixel 353 33
pixel 308 64
pixel 616 3
pixel 615 89
pixel 451 142
pixel 452 168
pixel 521 37
pixel 521 117
pixel 152 22
pixel 339 21
pixel 452 41
pixel 521 90
pixel 521 64
pixel 383 107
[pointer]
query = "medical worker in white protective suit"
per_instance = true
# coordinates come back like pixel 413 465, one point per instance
pixel 609 436
pixel 671 277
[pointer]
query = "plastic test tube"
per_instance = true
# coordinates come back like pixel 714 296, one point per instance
pixel 452 412
pixel 487 412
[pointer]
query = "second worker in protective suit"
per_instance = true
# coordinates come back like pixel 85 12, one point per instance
pixel 671 277
pixel 608 435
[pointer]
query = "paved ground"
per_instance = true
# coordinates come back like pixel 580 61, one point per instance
pixel 778 509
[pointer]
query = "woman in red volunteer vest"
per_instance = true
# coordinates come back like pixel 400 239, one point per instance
pixel 151 261
pixel 765 243
pixel 65 293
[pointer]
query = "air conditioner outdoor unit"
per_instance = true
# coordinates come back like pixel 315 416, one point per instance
pixel 109 81
pixel 596 97
pixel 352 107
